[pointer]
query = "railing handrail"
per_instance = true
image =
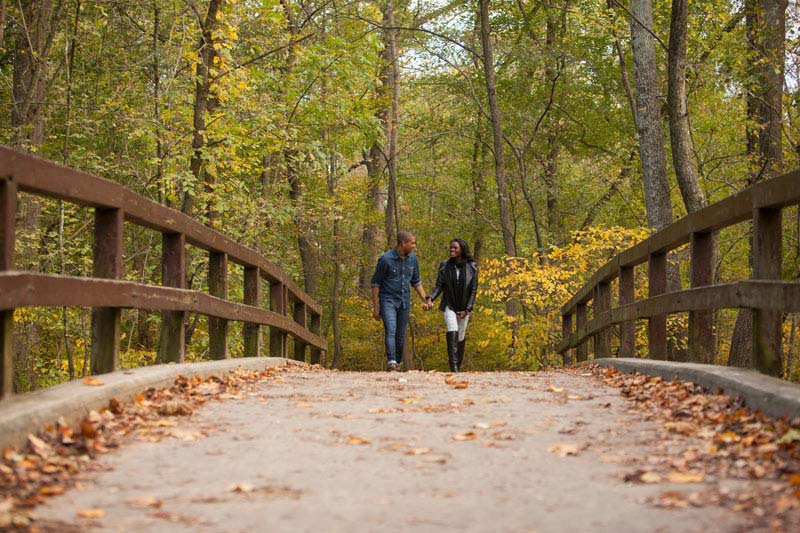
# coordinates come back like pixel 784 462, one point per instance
pixel 107 293
pixel 764 293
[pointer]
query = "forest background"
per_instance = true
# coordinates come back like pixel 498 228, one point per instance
pixel 549 135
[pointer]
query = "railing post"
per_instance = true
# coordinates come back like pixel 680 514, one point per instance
pixel 602 303
pixel 657 325
pixel 172 344
pixel 277 302
pixel 627 329
pixel 701 323
pixel 566 331
pixel 218 286
pixel 252 296
pixel 767 250
pixel 581 318
pixel 300 319
pixel 107 264
pixel 8 217
pixel 315 327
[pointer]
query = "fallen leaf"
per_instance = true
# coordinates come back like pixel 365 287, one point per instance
pixel 650 477
pixel 115 406
pixel 167 423
pixel 51 490
pixel 468 435
pixel 175 407
pixel 94 382
pixel 449 378
pixel 418 451
pixel 680 477
pixel 790 436
pixel 610 459
pixel 302 405
pixel 88 429
pixel 145 501
pixel 684 428
pixel 481 425
pixel 91 513
pixel 461 385
pixel 672 500
pixel 563 450
pixel 357 440
pixel 552 388
pixel 244 488
pixel 39 447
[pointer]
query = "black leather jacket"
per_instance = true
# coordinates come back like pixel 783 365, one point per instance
pixel 470 287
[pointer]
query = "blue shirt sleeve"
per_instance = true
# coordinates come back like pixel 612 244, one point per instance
pixel 380 272
pixel 415 281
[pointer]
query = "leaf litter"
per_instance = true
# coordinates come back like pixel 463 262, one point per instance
pixel 53 459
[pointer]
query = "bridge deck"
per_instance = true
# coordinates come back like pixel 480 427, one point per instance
pixel 332 451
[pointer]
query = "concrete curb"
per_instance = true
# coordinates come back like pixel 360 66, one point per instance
pixel 27 413
pixel 770 395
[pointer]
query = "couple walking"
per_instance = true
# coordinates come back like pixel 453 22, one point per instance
pixel 398 270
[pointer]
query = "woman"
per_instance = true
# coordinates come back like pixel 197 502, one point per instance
pixel 457 282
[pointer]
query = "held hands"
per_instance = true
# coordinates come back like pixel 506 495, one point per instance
pixel 427 305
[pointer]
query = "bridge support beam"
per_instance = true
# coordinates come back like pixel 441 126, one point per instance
pixel 627 330
pixel 8 217
pixel 218 286
pixel 767 253
pixel 172 344
pixel 315 326
pixel 252 296
pixel 278 303
pixel 300 319
pixel 602 304
pixel 657 325
pixel 566 331
pixel 107 264
pixel 581 320
pixel 701 323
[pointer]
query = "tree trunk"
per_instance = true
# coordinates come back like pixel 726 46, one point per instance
pixel 337 266
pixel 648 117
pixel 478 194
pixel 369 232
pixel 766 29
pixel 390 55
pixel 509 245
pixel 204 103
pixel 679 131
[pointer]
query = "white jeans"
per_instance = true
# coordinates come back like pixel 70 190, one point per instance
pixel 454 323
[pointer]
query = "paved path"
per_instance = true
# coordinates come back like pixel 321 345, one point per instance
pixel 329 451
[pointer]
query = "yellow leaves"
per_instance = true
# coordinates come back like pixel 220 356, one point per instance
pixel 352 439
pixel 91 513
pixel 564 450
pixel 467 435
pixel 94 382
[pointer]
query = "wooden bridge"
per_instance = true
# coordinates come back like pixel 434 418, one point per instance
pixel 342 451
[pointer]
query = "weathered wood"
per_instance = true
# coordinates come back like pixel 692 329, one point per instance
pixel 602 304
pixel 581 319
pixel 23 289
pixel 278 303
pixel 46 178
pixel 252 296
pixel 299 318
pixel 566 332
pixel 315 326
pixel 172 343
pixel 627 329
pixel 657 325
pixel 218 286
pixel 767 241
pixel 701 323
pixel 107 264
pixel 8 216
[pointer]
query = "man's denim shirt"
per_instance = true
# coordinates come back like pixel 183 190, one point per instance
pixel 393 275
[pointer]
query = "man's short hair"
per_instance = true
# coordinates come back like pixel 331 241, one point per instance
pixel 404 236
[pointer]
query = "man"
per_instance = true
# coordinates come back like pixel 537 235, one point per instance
pixel 391 296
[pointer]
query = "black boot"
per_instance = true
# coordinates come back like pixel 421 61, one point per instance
pixel 452 349
pixel 460 352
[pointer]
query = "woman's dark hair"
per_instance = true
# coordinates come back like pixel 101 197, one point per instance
pixel 466 255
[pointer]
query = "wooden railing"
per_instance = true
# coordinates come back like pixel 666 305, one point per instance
pixel 765 293
pixel 107 294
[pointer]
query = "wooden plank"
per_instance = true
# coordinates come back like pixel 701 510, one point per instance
pixel 315 326
pixel 701 323
pixel 172 343
pixel 218 286
pixel 627 329
pixel 299 314
pixel 566 332
pixel 278 303
pixel 107 264
pixel 23 289
pixel 767 254
pixel 581 319
pixel 8 217
pixel 657 324
pixel 602 302
pixel 252 297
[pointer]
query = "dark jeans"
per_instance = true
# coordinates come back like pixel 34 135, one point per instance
pixel 395 320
